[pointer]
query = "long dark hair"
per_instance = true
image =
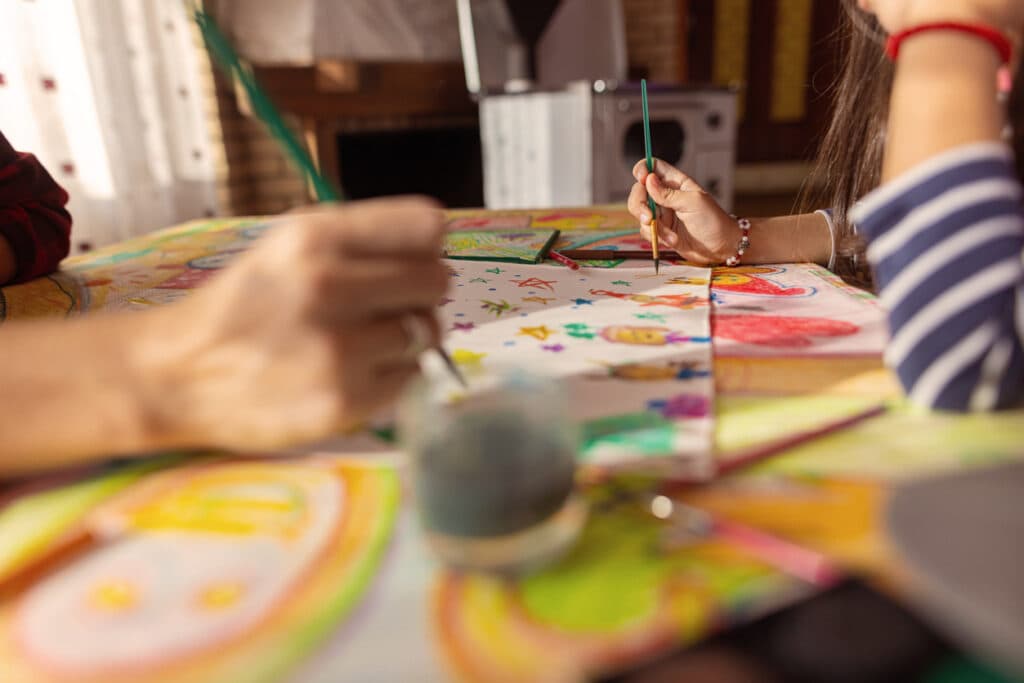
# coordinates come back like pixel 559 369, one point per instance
pixel 849 163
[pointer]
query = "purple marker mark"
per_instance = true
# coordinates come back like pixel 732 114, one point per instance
pixel 462 327
pixel 553 348
pixel 682 406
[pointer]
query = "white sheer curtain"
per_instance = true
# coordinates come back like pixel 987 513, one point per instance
pixel 109 95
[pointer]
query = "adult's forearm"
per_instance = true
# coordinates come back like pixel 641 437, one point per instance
pixel 74 390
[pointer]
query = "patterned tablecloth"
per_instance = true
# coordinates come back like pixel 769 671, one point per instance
pixel 312 567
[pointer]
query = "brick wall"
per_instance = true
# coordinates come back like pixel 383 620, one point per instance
pixel 653 39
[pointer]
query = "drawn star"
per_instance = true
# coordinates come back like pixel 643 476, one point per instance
pixel 583 302
pixel 580 331
pixel 496 271
pixel 498 307
pixel 542 332
pixel 462 327
pixel 467 358
pixel 536 282
pixel 538 299
pixel 656 317
pixel 622 282
pixel 553 348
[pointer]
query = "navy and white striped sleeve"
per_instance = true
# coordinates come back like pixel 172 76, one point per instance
pixel 946 241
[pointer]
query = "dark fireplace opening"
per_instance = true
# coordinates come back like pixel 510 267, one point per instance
pixel 444 163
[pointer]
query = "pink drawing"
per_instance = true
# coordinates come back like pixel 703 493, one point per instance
pixel 462 327
pixel 682 406
pixel 779 331
pixel 748 280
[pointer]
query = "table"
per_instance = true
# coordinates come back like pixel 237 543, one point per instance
pixel 335 581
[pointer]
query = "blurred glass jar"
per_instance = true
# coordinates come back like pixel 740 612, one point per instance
pixel 493 471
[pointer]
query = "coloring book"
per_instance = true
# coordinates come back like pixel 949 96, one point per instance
pixel 632 349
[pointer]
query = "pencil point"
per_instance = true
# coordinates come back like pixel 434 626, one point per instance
pixel 657 266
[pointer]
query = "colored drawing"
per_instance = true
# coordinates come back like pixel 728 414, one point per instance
pixel 498 308
pixel 490 221
pixel 524 246
pixel 906 443
pixel 778 331
pixel 237 569
pixel 794 296
pixel 584 332
pixel 670 300
pixel 49 515
pixel 541 332
pixel 534 282
pixel 619 597
pixel 755 280
pixel 642 336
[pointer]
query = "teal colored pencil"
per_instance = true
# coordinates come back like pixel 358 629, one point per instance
pixel 228 60
pixel 650 169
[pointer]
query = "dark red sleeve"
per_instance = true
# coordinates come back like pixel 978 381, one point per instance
pixel 33 219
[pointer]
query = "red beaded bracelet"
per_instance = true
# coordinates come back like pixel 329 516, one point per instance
pixel 733 261
pixel 996 38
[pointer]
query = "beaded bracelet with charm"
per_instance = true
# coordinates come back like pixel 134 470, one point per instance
pixel 734 260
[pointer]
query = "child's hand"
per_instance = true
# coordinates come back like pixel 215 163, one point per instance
pixel 690 221
pixel 315 329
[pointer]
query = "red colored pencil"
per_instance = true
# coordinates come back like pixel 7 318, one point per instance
pixel 564 260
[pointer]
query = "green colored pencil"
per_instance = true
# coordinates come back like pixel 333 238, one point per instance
pixel 229 61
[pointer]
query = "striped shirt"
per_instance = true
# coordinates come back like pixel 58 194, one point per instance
pixel 946 241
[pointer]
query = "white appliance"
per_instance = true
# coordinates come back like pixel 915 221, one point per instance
pixel 569 132
pixel 577 147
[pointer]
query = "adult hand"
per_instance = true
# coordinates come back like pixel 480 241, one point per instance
pixel 690 221
pixel 310 332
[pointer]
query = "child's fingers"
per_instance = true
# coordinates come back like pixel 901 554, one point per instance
pixel 667 237
pixel 637 203
pixel 674 178
pixel 682 199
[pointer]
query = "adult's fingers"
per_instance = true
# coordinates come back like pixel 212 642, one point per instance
pixel 395 225
pixel 387 385
pixel 347 290
pixel 390 341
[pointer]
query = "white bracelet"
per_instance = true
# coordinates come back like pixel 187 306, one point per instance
pixel 832 236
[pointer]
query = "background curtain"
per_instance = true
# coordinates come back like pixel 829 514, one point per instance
pixel 109 94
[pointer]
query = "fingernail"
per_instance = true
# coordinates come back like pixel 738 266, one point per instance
pixel 645 217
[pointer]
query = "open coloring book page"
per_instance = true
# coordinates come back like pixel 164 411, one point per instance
pixel 632 349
